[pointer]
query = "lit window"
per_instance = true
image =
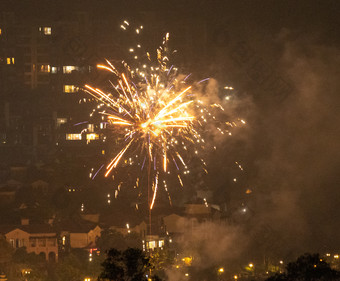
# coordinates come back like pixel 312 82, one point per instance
pixel 73 136
pixel 0 31
pixel 102 125
pixel 45 68
pixel 61 121
pixel 12 242
pixel 90 128
pixel 10 60
pixel 47 30
pixel 54 69
pixel 70 89
pixel 160 243
pixel 92 137
pixel 151 244
pixel 69 68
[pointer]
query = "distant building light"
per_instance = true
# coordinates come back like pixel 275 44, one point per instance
pixel 160 243
pixel 69 69
pixel 10 60
pixel 73 136
pixel 47 30
pixel 0 31
pixel 151 245
pixel 187 261
pixel 54 69
pixel 102 125
pixel 45 68
pixel 70 89
pixel 336 256
pixel 61 121
pixel 90 128
pixel 90 137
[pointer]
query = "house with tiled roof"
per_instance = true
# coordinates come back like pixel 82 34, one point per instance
pixel 40 239
pixel 79 233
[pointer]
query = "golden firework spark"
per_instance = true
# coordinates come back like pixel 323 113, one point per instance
pixel 154 110
pixel 153 114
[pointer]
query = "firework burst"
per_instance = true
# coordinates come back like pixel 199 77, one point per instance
pixel 156 113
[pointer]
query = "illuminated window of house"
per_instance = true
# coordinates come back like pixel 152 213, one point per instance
pixel 73 136
pixel 45 68
pixel 61 121
pixel 54 69
pixel 160 243
pixel 47 30
pixel 70 89
pixel 90 128
pixel 10 60
pixel 69 68
pixel 0 31
pixel 151 244
pixel 92 137
pixel 102 125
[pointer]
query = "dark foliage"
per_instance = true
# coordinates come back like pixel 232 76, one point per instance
pixel 129 265
pixel 309 267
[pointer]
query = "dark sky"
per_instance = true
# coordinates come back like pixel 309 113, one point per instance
pixel 292 145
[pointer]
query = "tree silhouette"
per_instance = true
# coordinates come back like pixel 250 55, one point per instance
pixel 112 239
pixel 129 265
pixel 308 267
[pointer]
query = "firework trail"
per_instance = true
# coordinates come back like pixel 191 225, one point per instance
pixel 155 113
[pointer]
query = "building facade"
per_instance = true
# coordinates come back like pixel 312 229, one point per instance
pixel 41 240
